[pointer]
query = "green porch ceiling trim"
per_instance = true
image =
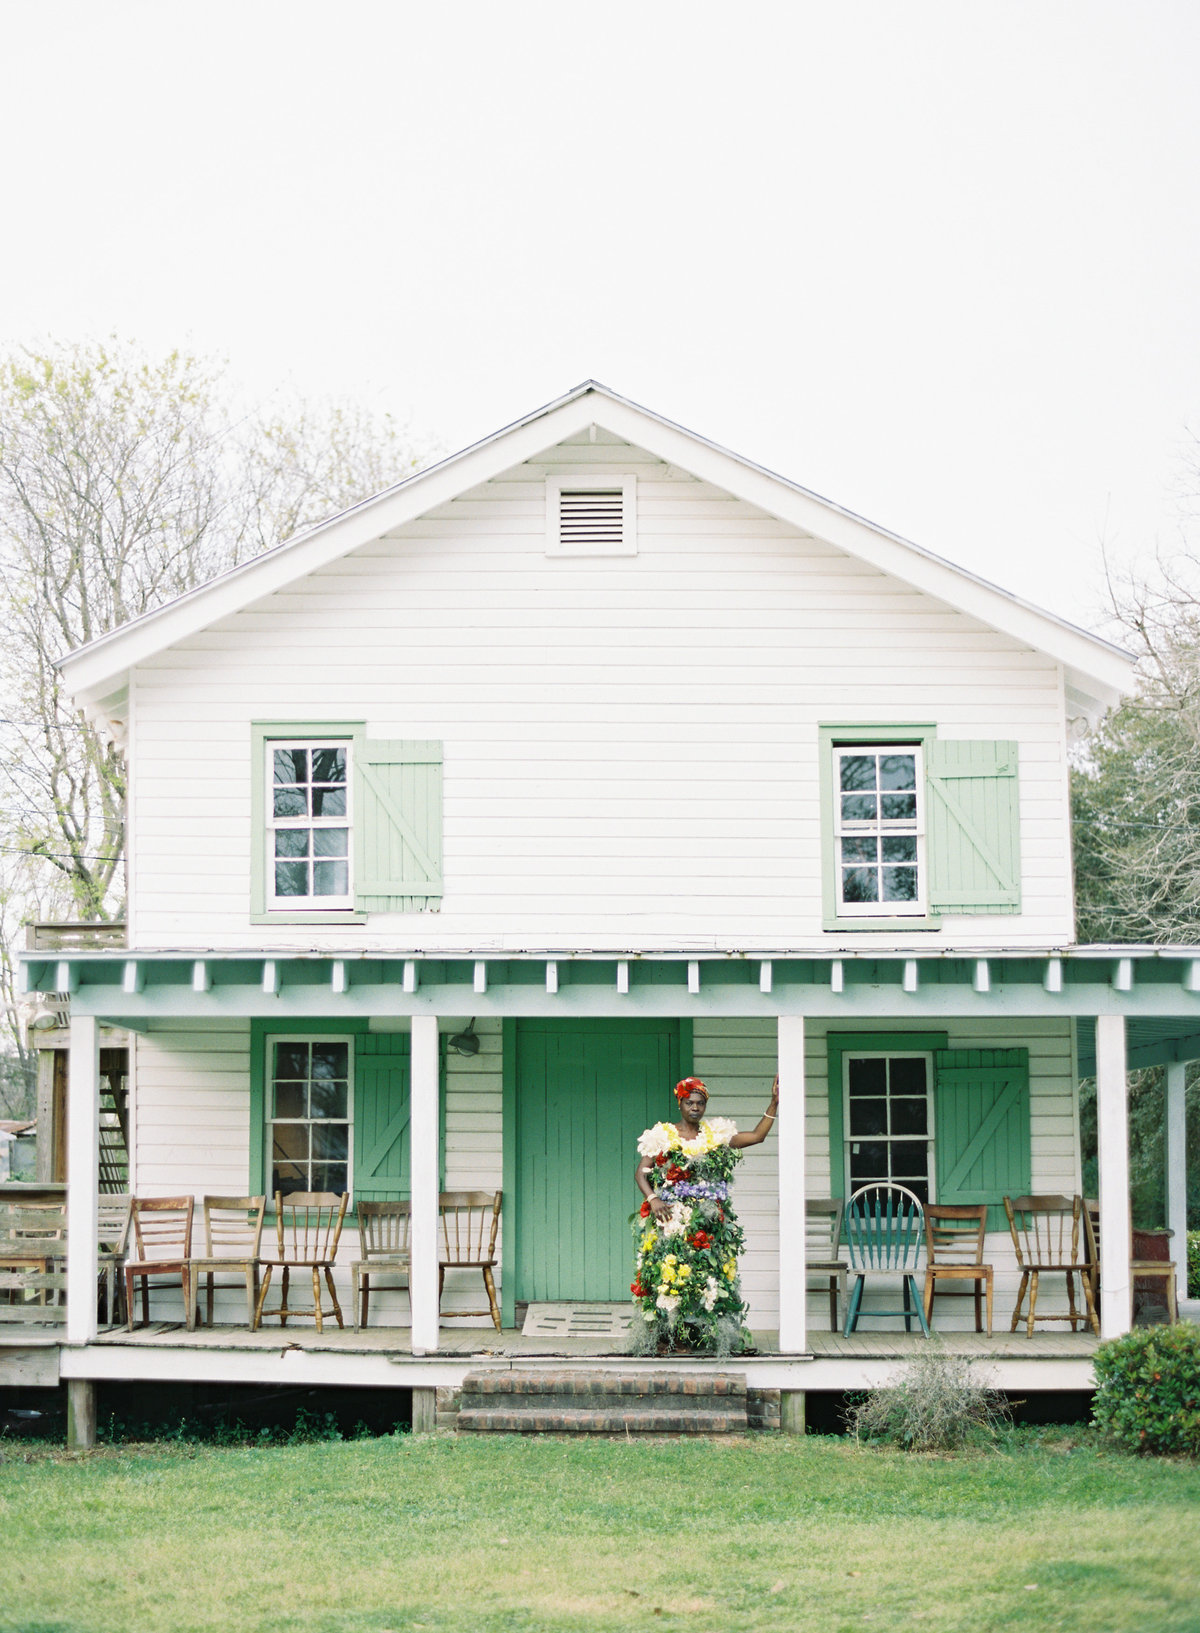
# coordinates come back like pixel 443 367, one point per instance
pixel 829 737
pixel 840 1044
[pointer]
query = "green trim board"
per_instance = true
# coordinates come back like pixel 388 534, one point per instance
pixel 840 1044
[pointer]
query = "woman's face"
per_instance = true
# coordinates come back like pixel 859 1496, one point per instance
pixel 693 1106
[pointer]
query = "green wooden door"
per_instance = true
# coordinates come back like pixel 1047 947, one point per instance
pixel 585 1090
pixel 381 1117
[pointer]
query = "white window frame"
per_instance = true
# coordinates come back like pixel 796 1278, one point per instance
pixel 274 825
pixel 880 830
pixel 270 1119
pixel 849 1139
pixel 622 482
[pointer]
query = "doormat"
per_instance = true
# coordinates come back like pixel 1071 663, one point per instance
pixel 577 1320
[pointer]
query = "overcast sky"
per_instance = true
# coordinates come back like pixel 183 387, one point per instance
pixel 938 262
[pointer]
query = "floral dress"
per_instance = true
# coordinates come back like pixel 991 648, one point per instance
pixel 686 1285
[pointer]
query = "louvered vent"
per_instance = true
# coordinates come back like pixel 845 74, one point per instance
pixel 591 519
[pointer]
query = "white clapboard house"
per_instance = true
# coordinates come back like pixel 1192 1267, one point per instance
pixel 627 758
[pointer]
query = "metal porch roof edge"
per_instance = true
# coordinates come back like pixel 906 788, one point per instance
pixel 96 671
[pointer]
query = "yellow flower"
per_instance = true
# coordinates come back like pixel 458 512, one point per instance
pixel 648 1241
pixel 684 1270
pixel 730 1269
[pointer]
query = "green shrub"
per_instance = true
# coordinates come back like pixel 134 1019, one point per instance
pixel 1148 1389
pixel 1193 1268
pixel 934 1405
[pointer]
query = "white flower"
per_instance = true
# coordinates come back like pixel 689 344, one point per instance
pixel 696 1147
pixel 649 1317
pixel 721 1130
pixel 676 1221
pixel 668 1302
pixel 656 1141
pixel 711 1290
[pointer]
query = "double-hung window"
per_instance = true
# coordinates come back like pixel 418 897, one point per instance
pixel 879 824
pixel 888 1121
pixel 310 823
pixel 309 1120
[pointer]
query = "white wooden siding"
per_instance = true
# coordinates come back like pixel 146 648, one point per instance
pixel 630 744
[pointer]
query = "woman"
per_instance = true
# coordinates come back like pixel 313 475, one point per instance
pixel 687 1234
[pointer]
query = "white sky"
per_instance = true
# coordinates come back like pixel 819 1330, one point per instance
pixel 938 262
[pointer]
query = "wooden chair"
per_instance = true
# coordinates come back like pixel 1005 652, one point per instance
pixel 954 1253
pixel 33 1246
pixel 467 1225
pixel 162 1236
pixel 1151 1269
pixel 113 1217
pixel 822 1229
pixel 1047 1233
pixel 308 1227
pixel 383 1238
pixel 232 1240
pixel 884 1229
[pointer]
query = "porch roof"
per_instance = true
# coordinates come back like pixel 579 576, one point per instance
pixel 1156 988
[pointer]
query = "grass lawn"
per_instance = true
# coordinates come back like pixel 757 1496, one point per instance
pixel 479 1536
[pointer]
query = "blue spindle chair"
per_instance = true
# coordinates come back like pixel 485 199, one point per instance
pixel 883 1230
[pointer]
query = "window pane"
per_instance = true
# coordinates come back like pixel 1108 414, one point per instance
pixel 331 1060
pixel 331 879
pixel 329 1176
pixel 336 842
pixel 858 808
pixel 859 885
pixel 900 885
pixel 908 1117
pixel 330 1141
pixel 898 807
pixel 329 802
pixel 910 1159
pixel 289 1179
pixel 291 802
pixel 289 1144
pixel 291 1060
pixel 291 878
pixel 858 771
pixel 868 1077
pixel 329 765
pixel 291 765
pixel 900 848
pixel 868 1160
pixel 289 1100
pixel 291 841
pixel 908 1076
pixel 327 1099
pixel 898 771
pixel 860 848
pixel 868 1117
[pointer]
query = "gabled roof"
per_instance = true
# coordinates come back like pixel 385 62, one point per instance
pixel 97 674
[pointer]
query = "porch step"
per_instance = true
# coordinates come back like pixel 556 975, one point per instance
pixel 587 1402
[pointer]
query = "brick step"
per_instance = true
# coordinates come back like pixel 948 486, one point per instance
pixel 590 1420
pixel 576 1382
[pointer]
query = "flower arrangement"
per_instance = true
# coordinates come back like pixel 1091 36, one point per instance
pixel 686 1281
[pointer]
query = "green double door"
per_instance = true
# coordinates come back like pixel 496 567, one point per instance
pixel 584 1091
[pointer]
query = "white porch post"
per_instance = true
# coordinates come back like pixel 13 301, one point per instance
pixel 793 1330
pixel 83 1177
pixel 1176 1143
pixel 1112 1128
pixel 423 1166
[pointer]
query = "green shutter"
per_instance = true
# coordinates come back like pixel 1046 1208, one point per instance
pixel 398 831
pixel 981 1127
pixel 973 827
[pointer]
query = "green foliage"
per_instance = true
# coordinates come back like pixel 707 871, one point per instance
pixel 309 1426
pixel 936 1404
pixel 1147 1153
pixel 1193 1264
pixel 1148 1389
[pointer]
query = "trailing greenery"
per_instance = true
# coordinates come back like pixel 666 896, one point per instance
pixel 936 1404
pixel 1193 1264
pixel 1044 1531
pixel 1148 1389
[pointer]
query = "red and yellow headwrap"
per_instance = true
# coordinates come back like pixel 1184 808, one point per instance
pixel 689 1085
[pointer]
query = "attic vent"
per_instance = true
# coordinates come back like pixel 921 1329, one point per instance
pixel 589 515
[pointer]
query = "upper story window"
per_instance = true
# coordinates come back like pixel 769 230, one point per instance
pixel 591 514
pixel 310 823
pixel 879 824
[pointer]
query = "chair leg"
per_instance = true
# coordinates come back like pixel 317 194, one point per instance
pixel 146 1300
pixel 365 1287
pixel 1016 1316
pixel 490 1284
pixel 977 1284
pixel 337 1309
pixel 284 1282
pixel 833 1307
pixel 927 1300
pixel 911 1281
pixel 262 1299
pixel 1093 1319
pixel 316 1275
pixel 855 1301
pixel 1071 1299
pixel 208 1300
pixel 129 1301
pixel 250 1292
pixel 907 1305
pixel 1033 1293
pixel 988 1295
pixel 190 1304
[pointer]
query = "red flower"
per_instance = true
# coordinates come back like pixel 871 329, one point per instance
pixel 645 1209
pixel 660 1159
pixel 636 1288
pixel 675 1172
pixel 701 1239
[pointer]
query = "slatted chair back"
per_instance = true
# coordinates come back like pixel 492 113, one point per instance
pixel 233 1227
pixel 162 1227
pixel 308 1225
pixel 884 1228
pixel 33 1229
pixel 822 1229
pixel 468 1222
pixel 954 1233
pixel 113 1219
pixel 1047 1230
pixel 384 1229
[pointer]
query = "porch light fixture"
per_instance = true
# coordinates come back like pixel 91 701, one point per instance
pixel 464 1043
